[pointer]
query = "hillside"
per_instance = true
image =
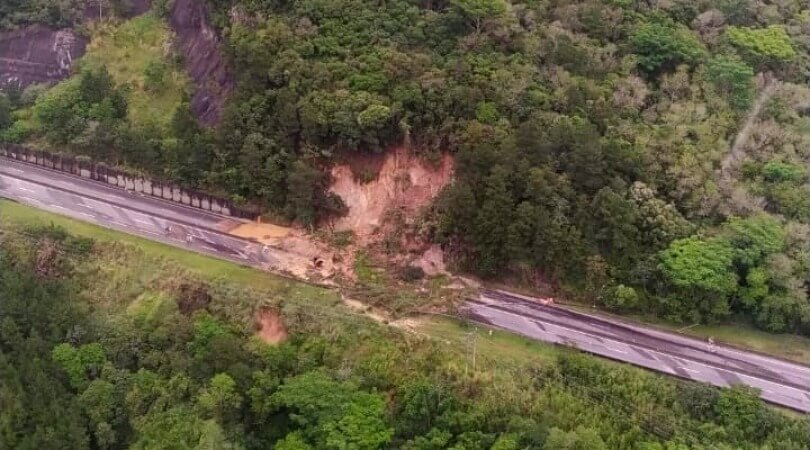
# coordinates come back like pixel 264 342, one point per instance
pixel 647 157
pixel 110 341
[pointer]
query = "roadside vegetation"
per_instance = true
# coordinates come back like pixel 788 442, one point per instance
pixel 593 140
pixel 107 343
pixel 593 144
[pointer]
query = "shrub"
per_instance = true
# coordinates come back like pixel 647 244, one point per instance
pixel 411 273
pixel 762 45
pixel 734 78
pixel 777 171
pixel 661 47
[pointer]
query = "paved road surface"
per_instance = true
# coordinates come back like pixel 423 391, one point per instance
pixel 780 382
pixel 122 210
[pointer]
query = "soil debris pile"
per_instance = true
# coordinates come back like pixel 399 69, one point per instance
pixel 289 250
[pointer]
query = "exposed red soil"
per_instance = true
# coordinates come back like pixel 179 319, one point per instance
pixel 271 328
pixel 403 182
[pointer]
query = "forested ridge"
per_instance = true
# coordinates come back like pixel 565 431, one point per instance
pixel 104 347
pixel 589 136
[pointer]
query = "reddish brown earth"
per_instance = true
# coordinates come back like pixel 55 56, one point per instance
pixel 271 328
pixel 403 182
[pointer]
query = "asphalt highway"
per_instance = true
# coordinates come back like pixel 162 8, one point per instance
pixel 780 382
pixel 122 210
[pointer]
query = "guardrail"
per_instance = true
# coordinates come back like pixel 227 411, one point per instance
pixel 85 168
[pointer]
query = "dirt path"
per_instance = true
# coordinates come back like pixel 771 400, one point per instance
pixel 736 154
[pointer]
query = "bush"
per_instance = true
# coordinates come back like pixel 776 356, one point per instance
pixel 621 297
pixel 154 76
pixel 734 78
pixel 16 133
pixel 411 273
pixel 32 93
pixel 662 47
pixel 762 45
pixel 5 112
pixel 779 172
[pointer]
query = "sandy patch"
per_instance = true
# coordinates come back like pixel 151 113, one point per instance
pixel 288 250
pixel 271 327
pixel 265 233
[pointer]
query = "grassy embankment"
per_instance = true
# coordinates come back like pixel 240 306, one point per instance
pixel 127 49
pixel 136 263
pixel 498 348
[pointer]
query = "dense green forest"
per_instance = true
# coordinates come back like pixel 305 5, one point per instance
pixel 15 13
pixel 596 141
pixel 103 346
pixel 56 13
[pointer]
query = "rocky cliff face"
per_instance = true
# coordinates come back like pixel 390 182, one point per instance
pixel 37 54
pixel 199 44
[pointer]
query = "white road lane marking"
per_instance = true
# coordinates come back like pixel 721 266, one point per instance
pixel 616 350
pixel 689 370
pixel 28 199
pixel 754 381
pixel 20 188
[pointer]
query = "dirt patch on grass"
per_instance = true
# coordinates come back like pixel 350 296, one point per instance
pixel 397 180
pixel 271 328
